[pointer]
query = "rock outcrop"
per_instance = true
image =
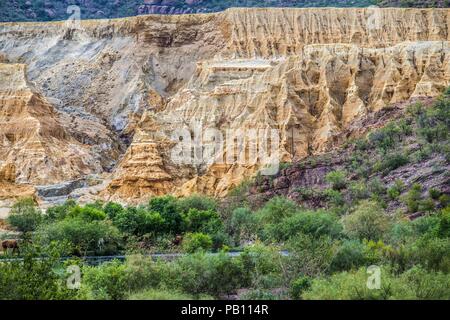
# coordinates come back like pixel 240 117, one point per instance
pixel 35 147
pixel 123 87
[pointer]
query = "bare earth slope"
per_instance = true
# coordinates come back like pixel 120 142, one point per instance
pixel 118 88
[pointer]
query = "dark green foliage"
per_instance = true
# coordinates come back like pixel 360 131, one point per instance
pixel 194 242
pixel 85 237
pixel 413 197
pixel 203 221
pixel 308 255
pixel 198 202
pixel 313 223
pixel 106 282
pixel 39 276
pixel 367 221
pixel 396 190
pixel 139 221
pixel 61 211
pixel 350 255
pixel 299 286
pixel 243 225
pixel 25 216
pixel 334 197
pixel 112 209
pixel 276 209
pixel 88 213
pixel 216 275
pixel 167 208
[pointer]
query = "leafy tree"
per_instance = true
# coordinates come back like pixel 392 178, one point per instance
pixel 349 255
pixel 201 203
pixel 316 224
pixel 167 207
pixel 139 221
pixel 106 282
pixel 367 221
pixel 299 286
pixel 194 242
pixel 39 275
pixel 112 209
pixel 203 221
pixel 276 209
pixel 85 237
pixel 25 216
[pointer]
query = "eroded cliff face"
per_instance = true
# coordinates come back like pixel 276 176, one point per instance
pixel 35 147
pixel 122 87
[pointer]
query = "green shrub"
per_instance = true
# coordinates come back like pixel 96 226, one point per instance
pixel 349 255
pixel 203 221
pixel 106 282
pixel 337 179
pixel 316 224
pixel 25 216
pixel 434 194
pixel 414 284
pixel 359 191
pixel 60 212
pixel 164 294
pixel 426 205
pixel 88 213
pixel 214 275
pixel 367 221
pixel 308 256
pixel 431 253
pixel 334 197
pixel 263 265
pixel 377 187
pixel 396 190
pixel 258 294
pixel 393 161
pixel 112 209
pixel 86 237
pixel 194 242
pixel 305 194
pixel 412 198
pixel 443 229
pixel 139 221
pixel 243 225
pixel 444 200
pixel 143 272
pixel 299 286
pixel 167 207
pixel 276 209
pixel 39 276
pixel 199 202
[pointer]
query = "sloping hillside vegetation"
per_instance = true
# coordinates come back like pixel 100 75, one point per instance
pixel 309 233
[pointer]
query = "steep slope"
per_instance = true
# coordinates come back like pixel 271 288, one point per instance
pixel 122 87
pixel 383 155
pixel 35 147
pixel 308 92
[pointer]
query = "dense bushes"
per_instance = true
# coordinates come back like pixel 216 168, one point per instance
pixel 39 276
pixel 304 222
pixel 366 221
pixel 85 237
pixel 25 216
pixel 413 284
